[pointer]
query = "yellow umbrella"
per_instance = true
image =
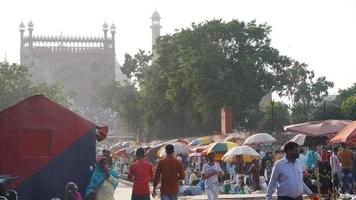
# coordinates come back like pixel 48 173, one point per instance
pixel 246 152
pixel 201 141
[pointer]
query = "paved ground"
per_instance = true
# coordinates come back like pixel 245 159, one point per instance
pixel 123 192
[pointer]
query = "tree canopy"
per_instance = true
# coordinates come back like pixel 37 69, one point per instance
pixel 349 107
pixel 276 113
pixel 198 70
pixel 345 93
pixel 15 85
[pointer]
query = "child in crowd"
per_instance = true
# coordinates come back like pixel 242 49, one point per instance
pixel 72 192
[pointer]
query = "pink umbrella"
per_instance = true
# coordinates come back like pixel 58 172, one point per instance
pixel 318 128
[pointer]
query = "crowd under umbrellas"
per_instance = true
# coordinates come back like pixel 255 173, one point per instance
pixel 241 157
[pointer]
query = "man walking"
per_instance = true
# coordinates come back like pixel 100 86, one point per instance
pixel 210 172
pixel 287 176
pixel 168 171
pixel 335 168
pixel 140 173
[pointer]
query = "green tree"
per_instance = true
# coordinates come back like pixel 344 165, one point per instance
pixel 304 90
pixel 328 111
pixel 220 64
pixel 134 67
pixel 348 106
pixel 276 113
pixel 345 93
pixel 333 108
pixel 198 70
pixel 123 98
pixel 15 85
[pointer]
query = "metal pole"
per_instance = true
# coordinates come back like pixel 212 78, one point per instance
pixel 324 108
pixel 272 125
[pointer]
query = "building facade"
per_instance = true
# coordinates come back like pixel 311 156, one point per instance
pixel 81 64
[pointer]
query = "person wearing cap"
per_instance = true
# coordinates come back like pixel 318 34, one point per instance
pixel 287 176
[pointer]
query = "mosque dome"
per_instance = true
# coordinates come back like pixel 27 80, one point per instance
pixel 112 28
pixel 105 27
pixel 155 15
pixel 22 26
pixel 30 24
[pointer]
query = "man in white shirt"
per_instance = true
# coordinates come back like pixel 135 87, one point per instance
pixel 211 171
pixel 287 176
pixel 335 166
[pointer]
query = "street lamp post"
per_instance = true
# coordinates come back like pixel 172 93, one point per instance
pixel 324 109
pixel 272 124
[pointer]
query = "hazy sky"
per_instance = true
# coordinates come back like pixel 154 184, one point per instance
pixel 319 33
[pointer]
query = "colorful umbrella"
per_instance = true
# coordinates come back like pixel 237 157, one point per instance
pixel 201 141
pixel 318 128
pixel 152 152
pixel 346 135
pixel 247 152
pixel 219 147
pixel 260 138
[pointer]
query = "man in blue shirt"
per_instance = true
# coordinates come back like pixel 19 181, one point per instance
pixel 287 176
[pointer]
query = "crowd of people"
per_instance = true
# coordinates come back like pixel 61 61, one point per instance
pixel 292 171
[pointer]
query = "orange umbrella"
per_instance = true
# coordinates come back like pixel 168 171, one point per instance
pixel 346 135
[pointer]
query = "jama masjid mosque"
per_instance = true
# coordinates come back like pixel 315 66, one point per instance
pixel 81 64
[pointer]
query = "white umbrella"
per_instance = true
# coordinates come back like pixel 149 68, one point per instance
pixel 241 150
pixel 179 149
pixel 299 139
pixel 305 140
pixel 260 138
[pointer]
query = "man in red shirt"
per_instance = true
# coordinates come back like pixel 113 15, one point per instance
pixel 140 173
pixel 168 171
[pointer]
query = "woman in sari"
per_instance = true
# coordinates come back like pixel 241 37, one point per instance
pixel 103 182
